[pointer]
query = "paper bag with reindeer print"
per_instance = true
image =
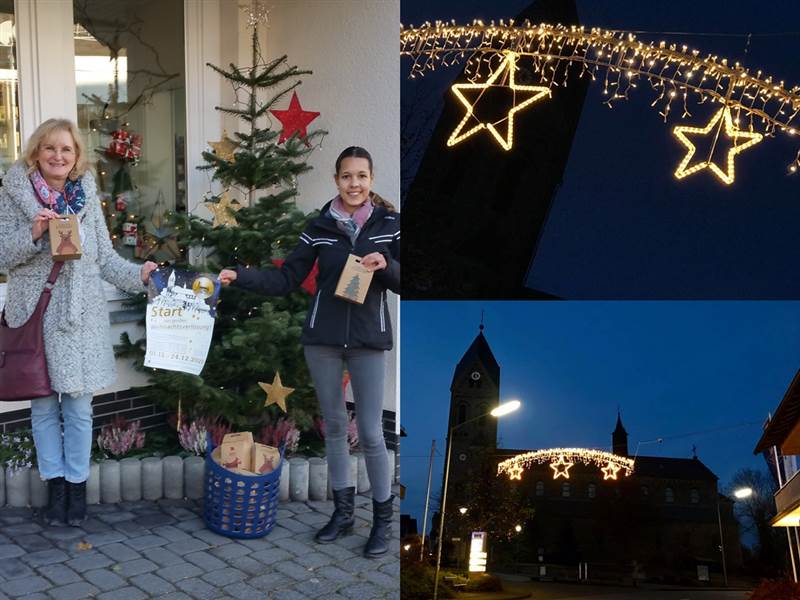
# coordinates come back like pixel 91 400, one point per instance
pixel 65 238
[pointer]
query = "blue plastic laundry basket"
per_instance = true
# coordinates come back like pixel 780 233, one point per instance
pixel 240 506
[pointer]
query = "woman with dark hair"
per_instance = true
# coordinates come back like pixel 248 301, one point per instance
pixel 53 179
pixel 339 333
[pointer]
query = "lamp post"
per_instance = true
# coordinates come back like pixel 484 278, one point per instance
pixel 739 494
pixel 499 411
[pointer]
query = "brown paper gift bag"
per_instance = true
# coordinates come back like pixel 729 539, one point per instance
pixel 354 281
pixel 65 238
pixel 236 451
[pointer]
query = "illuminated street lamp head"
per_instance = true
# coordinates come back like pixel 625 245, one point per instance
pixel 407 547
pixel 743 493
pixel 517 528
pixel 463 510
pixel 505 408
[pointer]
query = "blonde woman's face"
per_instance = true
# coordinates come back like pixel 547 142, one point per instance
pixel 57 155
pixel 354 181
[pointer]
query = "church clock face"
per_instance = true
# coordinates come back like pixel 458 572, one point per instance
pixel 462 457
pixel 475 376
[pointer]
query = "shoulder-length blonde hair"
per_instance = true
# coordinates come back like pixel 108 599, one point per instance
pixel 43 132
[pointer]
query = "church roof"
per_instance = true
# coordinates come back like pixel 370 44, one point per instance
pixel 478 351
pixel 672 468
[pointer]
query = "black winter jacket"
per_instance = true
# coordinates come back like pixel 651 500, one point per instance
pixel 332 321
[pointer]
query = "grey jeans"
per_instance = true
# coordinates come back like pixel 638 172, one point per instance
pixel 366 367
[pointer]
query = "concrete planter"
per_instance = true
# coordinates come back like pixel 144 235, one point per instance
pixel 173 477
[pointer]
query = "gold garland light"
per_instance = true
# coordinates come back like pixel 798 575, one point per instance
pixel 757 104
pixel 562 459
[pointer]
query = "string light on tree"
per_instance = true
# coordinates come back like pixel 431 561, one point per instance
pixel 562 459
pixel 507 70
pixel 714 127
pixel 621 62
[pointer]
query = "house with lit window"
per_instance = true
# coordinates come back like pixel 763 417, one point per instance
pixel 780 441
pixel 133 74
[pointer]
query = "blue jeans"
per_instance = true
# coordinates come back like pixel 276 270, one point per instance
pixel 64 455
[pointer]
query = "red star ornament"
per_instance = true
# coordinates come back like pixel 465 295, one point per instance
pixel 294 120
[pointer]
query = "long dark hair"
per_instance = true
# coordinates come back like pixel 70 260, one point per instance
pixel 359 152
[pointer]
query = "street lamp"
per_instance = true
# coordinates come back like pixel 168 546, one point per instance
pixel 517 528
pixel 463 510
pixel 499 411
pixel 739 494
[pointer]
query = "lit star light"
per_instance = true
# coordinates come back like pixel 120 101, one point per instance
pixel 561 467
pixel 276 392
pixel 733 133
pixel 509 64
pixel 257 12
pixel 610 471
pixel 515 472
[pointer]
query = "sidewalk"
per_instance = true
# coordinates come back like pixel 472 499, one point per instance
pixel 162 549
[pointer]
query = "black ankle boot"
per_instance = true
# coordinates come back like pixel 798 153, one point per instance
pixel 378 542
pixel 76 505
pixel 342 520
pixel 56 512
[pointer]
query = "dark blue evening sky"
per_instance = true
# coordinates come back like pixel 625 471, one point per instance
pixel 622 226
pixel 692 373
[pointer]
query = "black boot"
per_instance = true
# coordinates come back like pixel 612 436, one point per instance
pixel 378 542
pixel 56 512
pixel 76 508
pixel 342 520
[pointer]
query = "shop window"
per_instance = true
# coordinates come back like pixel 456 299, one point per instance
pixel 129 75
pixel 10 148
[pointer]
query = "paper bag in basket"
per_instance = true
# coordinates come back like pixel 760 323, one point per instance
pixel 354 281
pixel 65 238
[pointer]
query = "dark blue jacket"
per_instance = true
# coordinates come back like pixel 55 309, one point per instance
pixel 332 321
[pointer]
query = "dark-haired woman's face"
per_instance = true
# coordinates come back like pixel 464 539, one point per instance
pixel 354 181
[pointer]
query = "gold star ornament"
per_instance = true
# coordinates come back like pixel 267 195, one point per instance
pixel 533 93
pixel 224 210
pixel 715 125
pixel 610 471
pixel 276 392
pixel 561 467
pixel 225 147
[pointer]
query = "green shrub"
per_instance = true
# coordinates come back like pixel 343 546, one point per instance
pixel 484 583
pixel 416 583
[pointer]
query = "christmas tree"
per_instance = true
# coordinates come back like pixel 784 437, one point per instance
pixel 254 337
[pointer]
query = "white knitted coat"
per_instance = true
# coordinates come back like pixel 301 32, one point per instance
pixel 79 351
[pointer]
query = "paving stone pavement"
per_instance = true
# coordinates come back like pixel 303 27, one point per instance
pixel 162 549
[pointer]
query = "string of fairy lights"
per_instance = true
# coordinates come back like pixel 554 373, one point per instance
pixel 754 106
pixel 561 460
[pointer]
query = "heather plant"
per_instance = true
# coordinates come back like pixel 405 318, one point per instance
pixel 194 437
pixel 283 432
pixel 120 437
pixel 17 450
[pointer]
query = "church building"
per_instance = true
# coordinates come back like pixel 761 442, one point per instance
pixel 661 520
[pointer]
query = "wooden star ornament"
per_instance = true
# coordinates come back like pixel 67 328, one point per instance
pixel 561 467
pixel 225 147
pixel 715 125
pixel 224 211
pixel 276 392
pixel 533 93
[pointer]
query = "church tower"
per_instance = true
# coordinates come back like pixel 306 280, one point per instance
pixel 474 391
pixel 619 438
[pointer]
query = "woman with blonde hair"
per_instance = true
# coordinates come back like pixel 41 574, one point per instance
pixel 52 179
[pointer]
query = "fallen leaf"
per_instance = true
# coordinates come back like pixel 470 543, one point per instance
pixel 84 546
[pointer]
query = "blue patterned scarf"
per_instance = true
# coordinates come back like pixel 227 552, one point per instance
pixel 71 200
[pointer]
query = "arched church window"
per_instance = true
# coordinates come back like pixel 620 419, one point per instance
pixel 694 496
pixel 669 495
pixel 592 491
pixel 462 413
pixel 565 489
pixel 540 488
